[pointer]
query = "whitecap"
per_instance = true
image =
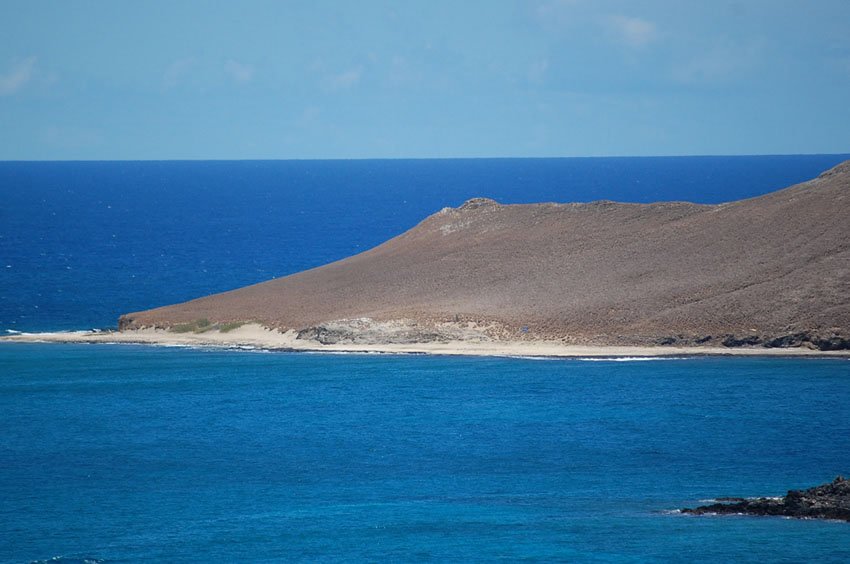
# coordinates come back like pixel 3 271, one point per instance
pixel 629 358
pixel 530 357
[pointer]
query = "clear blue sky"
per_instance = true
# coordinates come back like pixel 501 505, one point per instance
pixel 430 78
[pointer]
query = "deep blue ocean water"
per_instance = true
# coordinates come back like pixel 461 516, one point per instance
pixel 128 453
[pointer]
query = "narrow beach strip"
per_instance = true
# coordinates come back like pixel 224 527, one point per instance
pixel 256 336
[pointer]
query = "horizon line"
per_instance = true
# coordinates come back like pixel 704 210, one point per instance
pixel 325 159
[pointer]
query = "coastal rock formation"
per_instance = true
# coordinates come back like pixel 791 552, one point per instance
pixel 829 501
pixel 370 332
pixel 772 271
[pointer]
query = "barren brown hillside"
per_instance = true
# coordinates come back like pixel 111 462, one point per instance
pixel 770 270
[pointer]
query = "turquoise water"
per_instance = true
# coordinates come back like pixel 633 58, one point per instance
pixel 127 453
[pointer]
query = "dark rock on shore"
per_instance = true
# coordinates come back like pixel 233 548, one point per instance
pixel 733 341
pixel 832 343
pixel 791 340
pixel 829 501
pixel 810 339
pixel 814 340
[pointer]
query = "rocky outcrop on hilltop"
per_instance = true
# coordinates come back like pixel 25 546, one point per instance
pixel 829 501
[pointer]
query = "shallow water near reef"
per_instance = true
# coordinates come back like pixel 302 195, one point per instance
pixel 126 453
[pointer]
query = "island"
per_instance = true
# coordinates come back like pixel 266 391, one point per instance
pixel 766 275
pixel 828 501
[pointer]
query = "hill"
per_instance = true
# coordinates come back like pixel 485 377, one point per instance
pixel 771 271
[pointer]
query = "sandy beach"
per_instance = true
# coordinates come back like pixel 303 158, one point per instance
pixel 256 336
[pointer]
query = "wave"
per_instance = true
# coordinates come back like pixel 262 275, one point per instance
pixel 72 558
pixel 356 353
pixel 738 499
pixel 630 358
pixel 532 357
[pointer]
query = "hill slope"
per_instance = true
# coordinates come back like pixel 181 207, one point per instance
pixel 769 270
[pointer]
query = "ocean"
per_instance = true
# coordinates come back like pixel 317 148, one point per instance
pixel 120 453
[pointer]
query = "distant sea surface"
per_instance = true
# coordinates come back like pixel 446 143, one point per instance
pixel 123 453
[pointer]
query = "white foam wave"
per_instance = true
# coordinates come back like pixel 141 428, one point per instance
pixel 358 353
pixel 531 357
pixel 737 499
pixel 629 358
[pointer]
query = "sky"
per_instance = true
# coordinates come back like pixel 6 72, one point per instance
pixel 419 79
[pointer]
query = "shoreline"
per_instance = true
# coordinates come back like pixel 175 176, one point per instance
pixel 257 337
